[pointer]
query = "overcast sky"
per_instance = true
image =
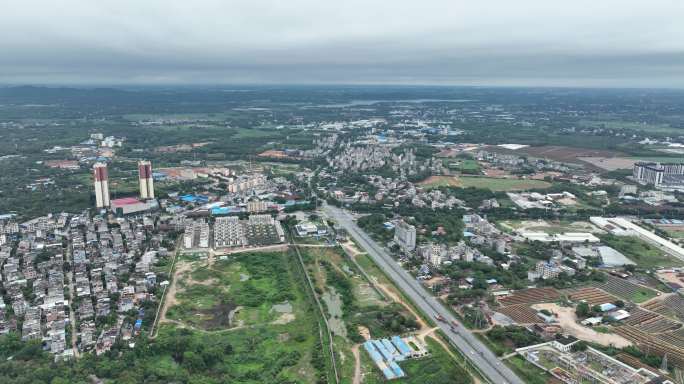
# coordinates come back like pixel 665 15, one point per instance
pixel 621 43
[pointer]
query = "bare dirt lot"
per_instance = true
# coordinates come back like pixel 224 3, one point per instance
pixel 568 320
pixel 609 163
pixel 560 153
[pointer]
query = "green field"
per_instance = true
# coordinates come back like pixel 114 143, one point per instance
pixel 660 159
pixel 179 116
pixel 249 287
pixel 645 255
pixel 273 332
pixel 491 183
pixel 642 295
pixel 245 133
pixel 282 169
pixel 675 234
pixel 467 166
pixel 632 125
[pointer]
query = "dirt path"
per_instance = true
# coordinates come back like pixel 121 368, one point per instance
pixel 351 247
pixel 170 299
pixel 357 364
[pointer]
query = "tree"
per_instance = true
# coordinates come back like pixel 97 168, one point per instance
pixel 579 346
pixel 582 310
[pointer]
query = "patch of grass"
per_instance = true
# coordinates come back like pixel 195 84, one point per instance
pixel 467 166
pixel 645 255
pixel 527 371
pixel 643 294
pixel 499 349
pixel 676 234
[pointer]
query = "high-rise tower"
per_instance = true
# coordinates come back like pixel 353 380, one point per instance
pixel 145 179
pixel 101 185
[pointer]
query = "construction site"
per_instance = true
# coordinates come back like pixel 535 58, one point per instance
pixel 570 365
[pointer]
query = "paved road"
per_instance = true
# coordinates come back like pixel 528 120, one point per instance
pixel 486 361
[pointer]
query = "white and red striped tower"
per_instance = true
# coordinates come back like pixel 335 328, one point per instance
pixel 101 185
pixel 145 179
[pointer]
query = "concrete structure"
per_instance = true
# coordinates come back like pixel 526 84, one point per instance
pixel 101 181
pixel 567 237
pixel 549 270
pixel 405 236
pixel 145 179
pixel 256 231
pixel 228 232
pixel 196 234
pixel 131 205
pixel 659 175
pixel 254 206
pixel 609 257
pixel 306 229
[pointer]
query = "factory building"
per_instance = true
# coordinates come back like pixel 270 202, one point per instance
pixel 101 185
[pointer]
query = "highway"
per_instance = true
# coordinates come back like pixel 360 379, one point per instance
pixel 480 356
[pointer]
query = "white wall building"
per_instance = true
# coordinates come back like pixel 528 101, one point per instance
pixel 405 236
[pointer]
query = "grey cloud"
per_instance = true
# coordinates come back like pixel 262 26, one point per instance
pixel 498 42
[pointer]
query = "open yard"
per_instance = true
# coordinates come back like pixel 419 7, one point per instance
pixel 491 183
pixel 568 320
pixel 552 227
